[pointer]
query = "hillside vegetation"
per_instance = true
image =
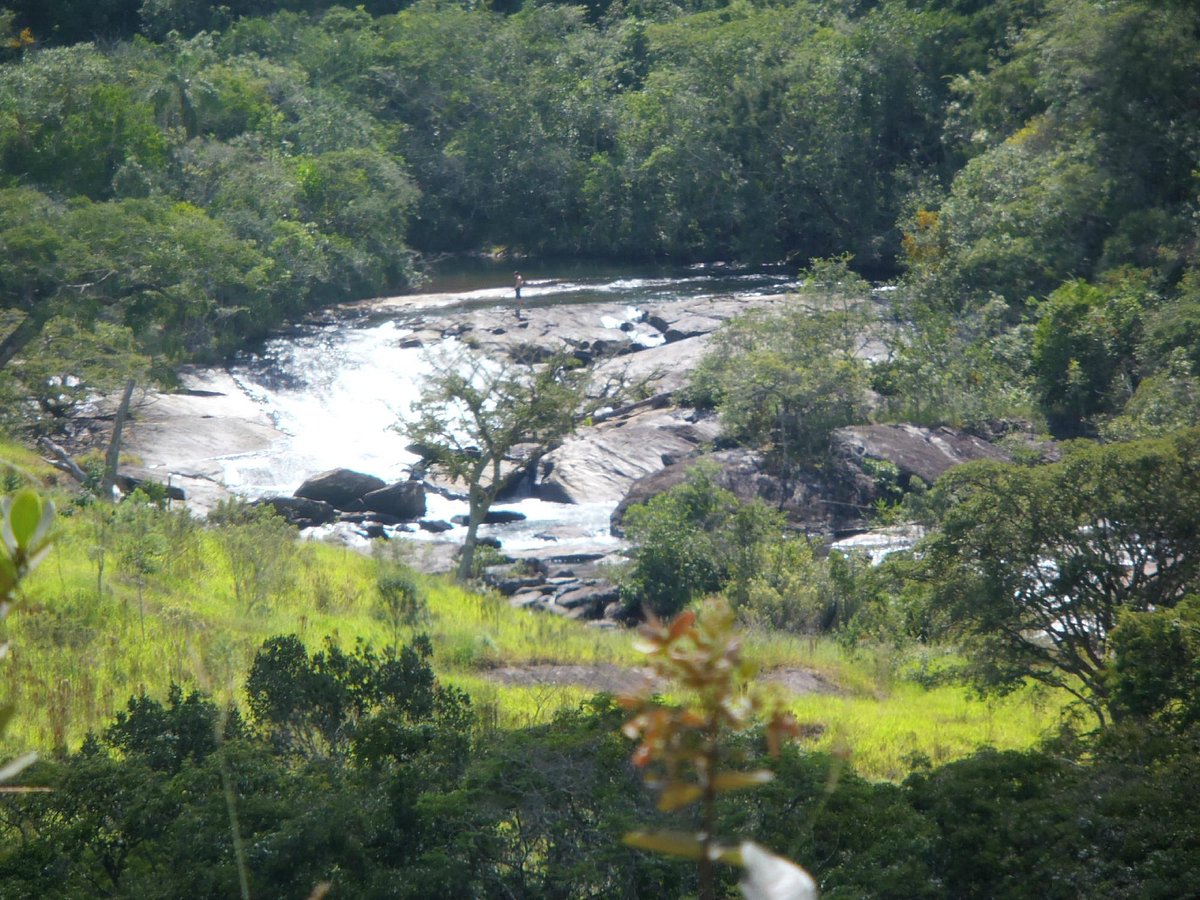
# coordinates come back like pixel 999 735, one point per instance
pixel 1012 705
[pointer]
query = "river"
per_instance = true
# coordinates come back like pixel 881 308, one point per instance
pixel 335 387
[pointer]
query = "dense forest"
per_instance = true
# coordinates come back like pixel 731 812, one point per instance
pixel 177 178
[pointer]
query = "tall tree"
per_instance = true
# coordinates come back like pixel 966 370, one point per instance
pixel 474 412
pixel 1034 565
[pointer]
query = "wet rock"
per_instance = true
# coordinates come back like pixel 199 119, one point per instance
pixel 434 526
pixel 300 511
pixel 493 517
pixel 339 487
pixel 405 500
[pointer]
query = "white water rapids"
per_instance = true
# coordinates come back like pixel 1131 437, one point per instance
pixel 335 391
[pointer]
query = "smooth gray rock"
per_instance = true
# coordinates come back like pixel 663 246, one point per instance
pixel 339 487
pixel 839 498
pixel 405 500
pixel 600 463
pixel 923 452
pixel 597 594
pixel 834 501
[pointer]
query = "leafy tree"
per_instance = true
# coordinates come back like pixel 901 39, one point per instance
pixel 1083 348
pixel 1155 673
pixel 1032 567
pixel 784 379
pixel 697 538
pixel 1167 401
pixel 473 414
pixel 166 737
pixel 674 537
pixel 358 705
pixel 68 123
pixel 967 371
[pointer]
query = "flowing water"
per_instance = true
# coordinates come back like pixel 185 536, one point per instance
pixel 337 389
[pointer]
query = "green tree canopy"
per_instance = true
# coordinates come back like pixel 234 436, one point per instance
pixel 1032 567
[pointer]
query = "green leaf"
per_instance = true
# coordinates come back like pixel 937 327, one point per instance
pixel 672 843
pixel 25 515
pixel 678 795
pixel 736 781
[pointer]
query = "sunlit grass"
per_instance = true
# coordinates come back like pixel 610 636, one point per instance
pixel 473 631
pixel 84 640
pixel 517 706
pixel 884 736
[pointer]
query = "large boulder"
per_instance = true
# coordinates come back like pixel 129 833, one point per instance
pixel 339 487
pixel 300 511
pixel 601 463
pixel 744 473
pixel 405 500
pixel 839 498
pixel 493 517
pixel 922 452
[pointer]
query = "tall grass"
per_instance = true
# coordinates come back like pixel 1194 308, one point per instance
pixel 100 624
pixel 884 737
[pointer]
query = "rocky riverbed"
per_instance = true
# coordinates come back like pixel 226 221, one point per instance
pixel 226 431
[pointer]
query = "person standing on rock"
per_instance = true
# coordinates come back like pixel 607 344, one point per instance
pixel 518 283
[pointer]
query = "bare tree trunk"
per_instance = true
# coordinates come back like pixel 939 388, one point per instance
pixel 62 460
pixel 114 445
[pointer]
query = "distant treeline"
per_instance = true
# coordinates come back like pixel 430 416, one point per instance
pixel 279 156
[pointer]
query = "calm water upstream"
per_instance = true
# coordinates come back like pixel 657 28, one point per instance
pixel 336 389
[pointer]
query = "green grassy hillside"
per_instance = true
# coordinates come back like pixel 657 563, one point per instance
pixel 135 598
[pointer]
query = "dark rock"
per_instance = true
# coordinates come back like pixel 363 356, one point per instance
pixel 827 502
pixel 129 482
pixel 838 498
pixel 492 542
pixel 434 526
pixel 494 517
pixel 405 500
pixel 374 532
pixel 527 600
pixel 339 487
pixel 384 518
pixel 598 594
pixel 510 584
pixel 300 511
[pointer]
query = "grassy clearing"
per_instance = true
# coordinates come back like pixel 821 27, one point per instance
pixel 884 736
pixel 127 605
pixel 100 623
